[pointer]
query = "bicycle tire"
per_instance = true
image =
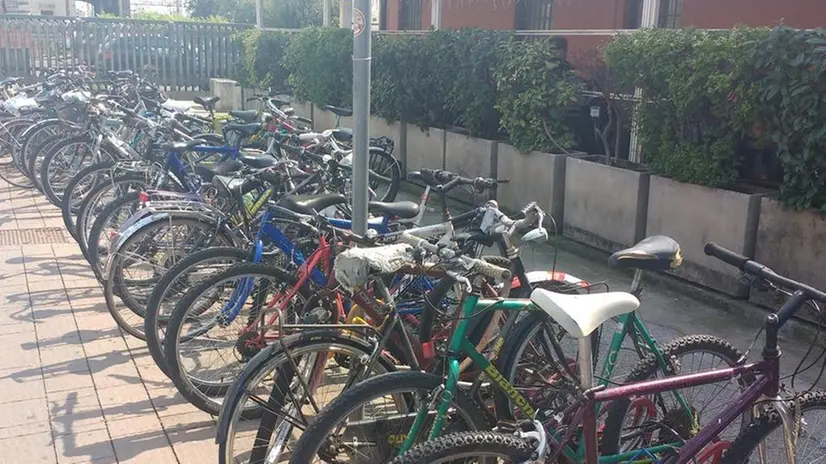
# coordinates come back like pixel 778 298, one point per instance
pixel 385 162
pixel 32 138
pixel 649 366
pixel 87 177
pixel 315 435
pixel 37 152
pixel 520 335
pixel 463 445
pixel 114 281
pixel 195 390
pixel 744 445
pixel 270 360
pixel 91 206
pixel 55 195
pixel 9 130
pixel 152 327
pixel 104 219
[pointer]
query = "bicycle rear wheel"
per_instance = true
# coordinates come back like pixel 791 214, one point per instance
pixel 184 275
pixel 144 257
pixel 215 330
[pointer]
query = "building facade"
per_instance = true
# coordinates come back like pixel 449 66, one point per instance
pixel 589 15
pixel 40 7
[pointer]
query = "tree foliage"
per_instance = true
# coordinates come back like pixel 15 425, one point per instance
pixel 287 14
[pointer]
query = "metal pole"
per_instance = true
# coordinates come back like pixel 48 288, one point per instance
pixel 650 18
pixel 259 13
pixel 345 14
pixel 362 21
pixel 436 14
pixel 326 12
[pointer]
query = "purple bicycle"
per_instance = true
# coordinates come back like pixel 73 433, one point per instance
pixel 571 435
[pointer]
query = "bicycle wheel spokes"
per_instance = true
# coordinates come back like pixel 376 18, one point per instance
pixel 206 351
pixel 287 406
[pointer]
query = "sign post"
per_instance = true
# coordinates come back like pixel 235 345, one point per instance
pixel 362 20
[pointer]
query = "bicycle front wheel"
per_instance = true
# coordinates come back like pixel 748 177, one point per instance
pixel 468 448
pixel 270 382
pixel 219 325
pixel 369 422
pixel 762 442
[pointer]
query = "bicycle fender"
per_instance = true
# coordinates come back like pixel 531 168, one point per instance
pixel 535 277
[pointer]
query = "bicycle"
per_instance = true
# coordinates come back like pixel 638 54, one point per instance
pixel 322 436
pixel 763 395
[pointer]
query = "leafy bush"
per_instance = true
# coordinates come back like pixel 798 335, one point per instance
pixel 791 109
pixel 690 126
pixel 263 56
pixel 319 63
pixel 535 88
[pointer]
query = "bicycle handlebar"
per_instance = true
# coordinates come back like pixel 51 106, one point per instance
pixel 763 272
pixel 446 180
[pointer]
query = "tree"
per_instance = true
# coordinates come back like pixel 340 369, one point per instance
pixel 277 13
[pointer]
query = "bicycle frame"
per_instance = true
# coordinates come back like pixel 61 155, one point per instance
pixel 459 344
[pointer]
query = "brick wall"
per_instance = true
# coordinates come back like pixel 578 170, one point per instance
pixel 715 14
pixel 486 14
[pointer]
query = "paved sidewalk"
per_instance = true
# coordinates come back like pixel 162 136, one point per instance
pixel 73 388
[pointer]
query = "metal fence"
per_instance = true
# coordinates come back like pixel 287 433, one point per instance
pixel 180 55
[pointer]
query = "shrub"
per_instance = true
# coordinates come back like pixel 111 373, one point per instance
pixel 791 110
pixel 535 87
pixel 319 63
pixel 263 55
pixel 690 128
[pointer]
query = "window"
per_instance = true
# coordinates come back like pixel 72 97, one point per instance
pixel 410 16
pixel 671 12
pixel 533 15
pixel 633 14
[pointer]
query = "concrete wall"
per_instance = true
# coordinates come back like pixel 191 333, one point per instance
pixel 605 206
pixel 425 149
pixel 793 243
pixel 469 156
pixel 226 89
pixel 303 109
pixel 533 176
pixel 693 215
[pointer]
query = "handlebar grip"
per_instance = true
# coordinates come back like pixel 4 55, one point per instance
pixel 481 183
pixel 270 176
pixel 727 256
pixel 308 136
pixel 490 270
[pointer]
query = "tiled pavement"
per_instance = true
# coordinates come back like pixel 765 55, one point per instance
pixel 73 388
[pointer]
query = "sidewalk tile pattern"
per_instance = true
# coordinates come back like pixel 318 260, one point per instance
pixel 72 389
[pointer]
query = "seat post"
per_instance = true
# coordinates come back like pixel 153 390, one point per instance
pixel 636 283
pixel 586 363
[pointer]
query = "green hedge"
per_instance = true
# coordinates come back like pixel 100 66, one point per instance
pixel 721 107
pixel 487 82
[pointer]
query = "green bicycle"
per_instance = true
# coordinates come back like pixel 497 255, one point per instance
pixel 414 406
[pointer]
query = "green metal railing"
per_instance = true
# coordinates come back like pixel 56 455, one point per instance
pixel 179 55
